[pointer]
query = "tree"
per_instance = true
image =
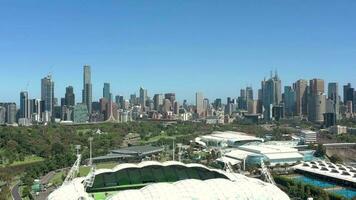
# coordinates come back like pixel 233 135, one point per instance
pixel 335 159
pixel 320 151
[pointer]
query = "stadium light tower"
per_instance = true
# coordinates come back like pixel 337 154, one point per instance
pixel 91 151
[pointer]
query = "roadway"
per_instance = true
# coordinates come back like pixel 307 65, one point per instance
pixel 15 192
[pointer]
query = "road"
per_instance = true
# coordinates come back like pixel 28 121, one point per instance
pixel 43 195
pixel 15 192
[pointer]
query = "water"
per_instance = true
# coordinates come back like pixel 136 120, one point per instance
pixel 315 182
pixel 348 193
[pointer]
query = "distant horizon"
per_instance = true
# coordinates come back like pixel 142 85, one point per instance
pixel 216 48
pixel 98 87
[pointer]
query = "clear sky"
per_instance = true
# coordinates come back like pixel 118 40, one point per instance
pixel 181 46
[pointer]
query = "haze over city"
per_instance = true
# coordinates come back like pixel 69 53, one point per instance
pixel 180 47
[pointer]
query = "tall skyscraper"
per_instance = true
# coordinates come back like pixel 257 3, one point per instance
pixel 143 97
pixel 47 93
pixel 170 96
pixel 333 98
pixel 87 97
pixel 199 103
pixel 2 115
pixel 11 113
pixel 289 101
pixel 69 99
pixel 106 92
pixel 301 93
pixel 316 101
pixel 348 93
pixel 157 101
pixel 249 93
pixel 24 105
pixel 272 95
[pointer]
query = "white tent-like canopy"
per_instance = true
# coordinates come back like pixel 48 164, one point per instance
pixel 214 189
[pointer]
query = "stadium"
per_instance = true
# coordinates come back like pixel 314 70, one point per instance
pixel 170 180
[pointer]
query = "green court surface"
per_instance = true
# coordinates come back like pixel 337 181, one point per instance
pixel 102 195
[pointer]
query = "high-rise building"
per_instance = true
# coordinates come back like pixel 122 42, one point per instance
pixel 218 104
pixel 272 95
pixel 69 99
pixel 106 91
pixel 87 97
pixel 249 93
pixel 11 111
pixel 289 101
pixel 80 113
pixel 143 97
pixel 348 93
pixel 316 101
pixel 301 92
pixel 206 104
pixel 120 101
pixel 24 105
pixel 316 86
pixel 157 101
pixel 333 98
pixel 47 94
pixel 199 103
pixel 2 115
pixel 170 96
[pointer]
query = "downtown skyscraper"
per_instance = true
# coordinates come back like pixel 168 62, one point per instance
pixel 47 94
pixel 87 97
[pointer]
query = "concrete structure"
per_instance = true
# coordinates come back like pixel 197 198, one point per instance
pixel 301 93
pixel 199 103
pixel 316 108
pixel 87 95
pixel 308 136
pixel 2 115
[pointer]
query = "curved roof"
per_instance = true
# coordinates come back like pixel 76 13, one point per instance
pixel 155 163
pixel 243 189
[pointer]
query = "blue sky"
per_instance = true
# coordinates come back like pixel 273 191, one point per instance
pixel 215 47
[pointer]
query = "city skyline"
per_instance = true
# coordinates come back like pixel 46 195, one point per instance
pixel 98 89
pixel 166 46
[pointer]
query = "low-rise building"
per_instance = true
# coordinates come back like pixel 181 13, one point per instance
pixel 308 136
pixel 338 129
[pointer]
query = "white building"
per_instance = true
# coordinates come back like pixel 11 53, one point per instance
pixel 338 129
pixel 308 136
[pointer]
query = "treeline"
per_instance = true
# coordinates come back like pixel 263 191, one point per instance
pixel 303 191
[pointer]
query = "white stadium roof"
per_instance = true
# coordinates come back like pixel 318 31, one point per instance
pixel 243 189
pixel 237 187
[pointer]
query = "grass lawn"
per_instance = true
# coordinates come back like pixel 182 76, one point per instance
pixel 28 160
